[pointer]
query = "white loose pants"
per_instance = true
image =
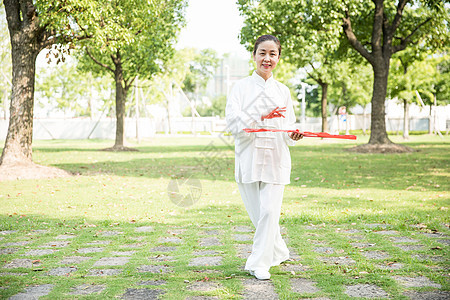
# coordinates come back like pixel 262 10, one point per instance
pixel 263 204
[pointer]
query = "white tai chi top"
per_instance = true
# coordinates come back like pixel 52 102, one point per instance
pixel 261 156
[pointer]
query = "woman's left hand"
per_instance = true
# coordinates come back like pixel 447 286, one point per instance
pixel 296 136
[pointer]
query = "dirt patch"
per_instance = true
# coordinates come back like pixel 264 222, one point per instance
pixel 381 148
pixel 30 171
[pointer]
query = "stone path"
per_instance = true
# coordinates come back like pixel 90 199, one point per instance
pixel 45 261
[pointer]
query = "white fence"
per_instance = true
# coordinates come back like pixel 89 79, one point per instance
pixel 82 128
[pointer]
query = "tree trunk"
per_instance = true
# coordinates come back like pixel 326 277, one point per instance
pixel 18 145
pixel 430 120
pixel 378 134
pixel 405 119
pixel 120 105
pixel 324 106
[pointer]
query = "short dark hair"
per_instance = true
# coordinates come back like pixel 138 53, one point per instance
pixel 267 37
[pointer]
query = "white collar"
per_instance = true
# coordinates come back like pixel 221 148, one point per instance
pixel 260 81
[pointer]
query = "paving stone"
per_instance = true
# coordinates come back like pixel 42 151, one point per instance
pixel 206 252
pixel 202 298
pixel 351 231
pixel 312 227
pixel 342 260
pixel 243 250
pixel 22 263
pixel 5 232
pixel 162 258
pixel 420 281
pixel 3 274
pixel 316 242
pixel 242 237
pixel 204 286
pixel 90 250
pixel 33 292
pixel 8 250
pixel 163 249
pixel 391 266
pixel 410 247
pixel 137 238
pixel 433 235
pixel 210 241
pixel 296 268
pixel 293 254
pixel 65 237
pixel 87 289
pixel 152 282
pixel 243 229
pixel 135 245
pixel 99 243
pixel 104 272
pixel 365 291
pixel 324 249
pixel 377 225
pixel 434 295
pixel 210 232
pixel 112 261
pixel 55 244
pixel 123 253
pixel 403 239
pixel 259 289
pixel 428 257
pixel 144 229
pixel 153 269
pixel 110 233
pixel 303 285
pixel 356 237
pixel 445 242
pixel 206 261
pixel 21 243
pixel 62 271
pixel 362 245
pixel 175 240
pixel 142 294
pixel 375 254
pixel 40 252
pixel 73 260
pixel 386 232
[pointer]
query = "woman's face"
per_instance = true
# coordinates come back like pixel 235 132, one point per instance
pixel 266 58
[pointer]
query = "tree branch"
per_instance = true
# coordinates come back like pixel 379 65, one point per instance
pixel 398 16
pixel 377 29
pixel 407 40
pixel 353 40
pixel 98 62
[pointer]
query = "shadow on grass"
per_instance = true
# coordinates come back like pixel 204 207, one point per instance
pixel 327 166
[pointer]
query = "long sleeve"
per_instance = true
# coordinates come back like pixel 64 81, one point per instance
pixel 236 118
pixel 290 119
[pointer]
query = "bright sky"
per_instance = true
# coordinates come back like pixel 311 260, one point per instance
pixel 213 24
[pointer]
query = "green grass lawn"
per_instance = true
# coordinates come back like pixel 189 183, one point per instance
pixel 330 188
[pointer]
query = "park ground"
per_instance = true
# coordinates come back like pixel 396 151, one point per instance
pixel 358 225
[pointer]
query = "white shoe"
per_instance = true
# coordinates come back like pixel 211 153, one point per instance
pixel 260 274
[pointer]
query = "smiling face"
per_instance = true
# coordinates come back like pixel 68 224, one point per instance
pixel 266 57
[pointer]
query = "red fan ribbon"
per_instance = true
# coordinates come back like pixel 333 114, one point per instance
pixel 305 133
pixel 276 113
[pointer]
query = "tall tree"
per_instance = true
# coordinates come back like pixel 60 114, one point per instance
pixel 5 64
pixel 394 27
pixel 33 26
pixel 138 43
